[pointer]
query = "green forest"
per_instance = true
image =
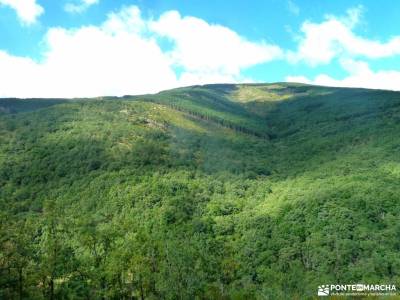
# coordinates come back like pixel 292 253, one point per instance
pixel 253 191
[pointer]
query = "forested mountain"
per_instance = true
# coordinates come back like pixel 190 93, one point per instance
pixel 257 191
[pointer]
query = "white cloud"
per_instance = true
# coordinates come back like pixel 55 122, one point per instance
pixel 360 75
pixel 90 61
pixel 27 10
pixel 206 50
pixel 334 39
pixel 80 6
pixel 123 56
pixel 322 42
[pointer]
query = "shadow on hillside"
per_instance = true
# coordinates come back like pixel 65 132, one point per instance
pixel 312 134
pixel 12 106
pixel 308 131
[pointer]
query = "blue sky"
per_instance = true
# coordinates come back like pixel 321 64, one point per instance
pixel 79 48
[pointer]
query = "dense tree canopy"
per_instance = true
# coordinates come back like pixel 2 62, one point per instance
pixel 212 192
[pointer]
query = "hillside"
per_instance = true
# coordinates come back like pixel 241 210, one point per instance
pixel 259 191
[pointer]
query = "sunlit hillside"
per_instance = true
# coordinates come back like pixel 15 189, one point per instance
pixel 259 191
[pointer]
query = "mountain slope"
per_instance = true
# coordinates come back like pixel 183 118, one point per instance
pixel 209 192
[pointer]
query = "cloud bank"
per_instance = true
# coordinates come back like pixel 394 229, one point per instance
pixel 131 54
pixel 359 75
pixel 123 56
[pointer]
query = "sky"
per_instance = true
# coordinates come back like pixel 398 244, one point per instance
pixel 89 48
